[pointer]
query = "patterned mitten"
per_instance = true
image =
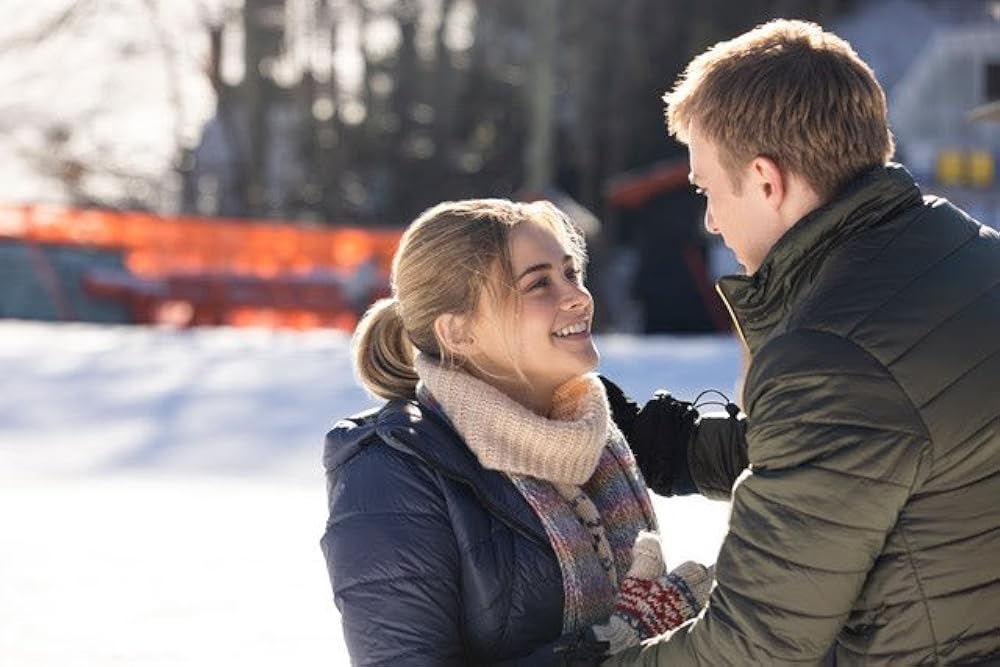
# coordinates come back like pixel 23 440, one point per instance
pixel 651 602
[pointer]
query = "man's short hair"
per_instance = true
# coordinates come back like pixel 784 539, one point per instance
pixel 789 91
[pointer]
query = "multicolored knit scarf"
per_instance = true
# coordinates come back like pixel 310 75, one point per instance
pixel 574 469
pixel 621 499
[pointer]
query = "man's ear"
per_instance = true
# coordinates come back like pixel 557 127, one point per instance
pixel 453 332
pixel 770 180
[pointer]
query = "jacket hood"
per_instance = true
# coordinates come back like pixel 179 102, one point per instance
pixel 347 437
pixel 404 425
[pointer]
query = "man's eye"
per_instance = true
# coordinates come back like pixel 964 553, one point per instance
pixel 700 192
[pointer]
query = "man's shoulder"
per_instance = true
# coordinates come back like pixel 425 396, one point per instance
pixel 810 351
pixel 902 276
pixel 893 303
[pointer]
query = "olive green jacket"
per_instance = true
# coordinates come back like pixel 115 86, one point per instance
pixel 867 528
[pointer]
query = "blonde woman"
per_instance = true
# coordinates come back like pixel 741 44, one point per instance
pixel 487 513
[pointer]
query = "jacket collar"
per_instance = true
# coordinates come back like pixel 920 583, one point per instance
pixel 423 431
pixel 758 303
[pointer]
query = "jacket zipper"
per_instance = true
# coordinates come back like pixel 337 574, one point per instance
pixel 732 315
pixel 503 516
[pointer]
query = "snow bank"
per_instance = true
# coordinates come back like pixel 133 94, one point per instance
pixel 162 498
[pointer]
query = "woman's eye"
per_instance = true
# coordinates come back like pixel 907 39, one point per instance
pixel 541 282
pixel 573 273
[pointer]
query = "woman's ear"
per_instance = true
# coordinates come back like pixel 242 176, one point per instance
pixel 453 332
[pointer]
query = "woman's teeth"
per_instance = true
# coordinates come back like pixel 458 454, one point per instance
pixel 579 327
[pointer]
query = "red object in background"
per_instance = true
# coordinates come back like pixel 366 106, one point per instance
pixel 186 271
pixel 633 189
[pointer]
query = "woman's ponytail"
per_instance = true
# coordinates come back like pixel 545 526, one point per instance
pixel 383 353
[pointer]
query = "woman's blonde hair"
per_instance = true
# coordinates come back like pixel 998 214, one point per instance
pixel 448 258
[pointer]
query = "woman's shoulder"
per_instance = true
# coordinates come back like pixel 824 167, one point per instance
pixel 408 448
pixel 407 429
pixel 375 466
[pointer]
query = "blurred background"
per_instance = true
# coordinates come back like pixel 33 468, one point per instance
pixel 198 198
pixel 205 162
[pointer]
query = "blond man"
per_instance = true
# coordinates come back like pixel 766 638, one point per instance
pixel 866 529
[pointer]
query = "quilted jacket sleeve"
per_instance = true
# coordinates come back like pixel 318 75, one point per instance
pixel 835 449
pixel 393 561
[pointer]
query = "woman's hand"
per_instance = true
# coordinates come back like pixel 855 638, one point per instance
pixel 658 434
pixel 652 601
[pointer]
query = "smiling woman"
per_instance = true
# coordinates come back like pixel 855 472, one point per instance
pixel 488 512
pixel 546 341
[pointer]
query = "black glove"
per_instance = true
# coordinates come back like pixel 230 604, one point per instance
pixel 658 435
pixel 623 408
pixel 659 438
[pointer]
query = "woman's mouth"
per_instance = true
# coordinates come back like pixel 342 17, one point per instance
pixel 573 330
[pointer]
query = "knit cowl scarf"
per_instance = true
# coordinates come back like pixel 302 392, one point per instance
pixel 573 468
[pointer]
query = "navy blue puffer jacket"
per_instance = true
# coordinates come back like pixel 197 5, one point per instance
pixel 433 559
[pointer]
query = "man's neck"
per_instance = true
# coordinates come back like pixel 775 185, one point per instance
pixel 800 200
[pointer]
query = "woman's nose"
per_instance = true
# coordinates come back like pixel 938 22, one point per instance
pixel 576 297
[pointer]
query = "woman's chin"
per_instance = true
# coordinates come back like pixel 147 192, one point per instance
pixel 579 370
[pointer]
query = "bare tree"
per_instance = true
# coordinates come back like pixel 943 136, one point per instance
pixel 539 154
pixel 263 22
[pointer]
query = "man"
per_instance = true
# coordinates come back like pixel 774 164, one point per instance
pixel 866 529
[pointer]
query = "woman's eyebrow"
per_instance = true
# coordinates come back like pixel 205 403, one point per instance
pixel 544 266
pixel 536 267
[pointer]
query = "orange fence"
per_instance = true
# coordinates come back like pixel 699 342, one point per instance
pixel 190 270
pixel 155 245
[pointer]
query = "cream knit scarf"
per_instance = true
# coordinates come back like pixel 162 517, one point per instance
pixel 573 469
pixel 506 436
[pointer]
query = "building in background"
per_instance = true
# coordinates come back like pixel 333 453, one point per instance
pixel 941 82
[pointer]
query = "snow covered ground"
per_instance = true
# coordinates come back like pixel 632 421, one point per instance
pixel 161 497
